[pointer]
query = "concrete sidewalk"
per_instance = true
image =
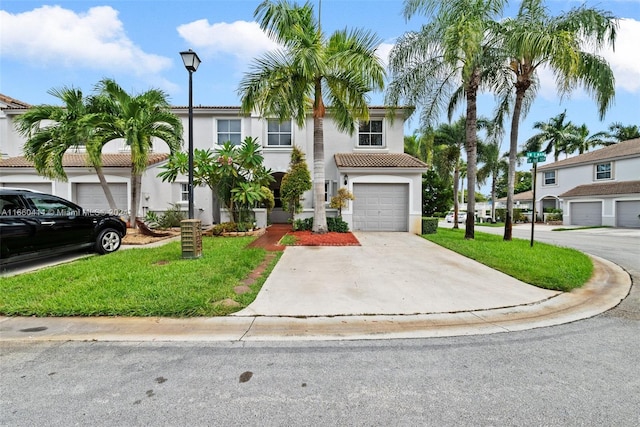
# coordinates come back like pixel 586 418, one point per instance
pixel 396 285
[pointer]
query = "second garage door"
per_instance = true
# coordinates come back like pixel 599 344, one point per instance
pixel 586 213
pixel 91 196
pixel 381 207
pixel 628 214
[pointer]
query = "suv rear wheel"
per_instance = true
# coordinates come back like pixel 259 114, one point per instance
pixel 108 241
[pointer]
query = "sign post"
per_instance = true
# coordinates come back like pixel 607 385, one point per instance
pixel 534 157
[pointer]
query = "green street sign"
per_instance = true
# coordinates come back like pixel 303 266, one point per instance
pixel 535 154
pixel 536 159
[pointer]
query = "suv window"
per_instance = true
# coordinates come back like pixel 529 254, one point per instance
pixel 46 205
pixel 10 204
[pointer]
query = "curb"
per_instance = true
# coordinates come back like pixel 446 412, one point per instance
pixel 609 285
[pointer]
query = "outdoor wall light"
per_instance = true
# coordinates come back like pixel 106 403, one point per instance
pixel 346 179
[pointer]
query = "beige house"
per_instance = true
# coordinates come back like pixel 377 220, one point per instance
pixel 371 163
pixel 601 187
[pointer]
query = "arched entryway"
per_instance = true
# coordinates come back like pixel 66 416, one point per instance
pixel 277 216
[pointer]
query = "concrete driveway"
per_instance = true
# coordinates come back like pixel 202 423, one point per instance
pixel 390 273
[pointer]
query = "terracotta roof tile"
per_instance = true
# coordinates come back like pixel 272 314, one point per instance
pixel 630 148
pixel 604 189
pixel 377 160
pixel 524 196
pixel 12 102
pixel 109 160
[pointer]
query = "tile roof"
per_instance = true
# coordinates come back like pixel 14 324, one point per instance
pixel 109 160
pixel 12 102
pixel 630 148
pixel 604 189
pixel 377 160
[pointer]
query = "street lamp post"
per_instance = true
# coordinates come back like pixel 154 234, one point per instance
pixel 191 63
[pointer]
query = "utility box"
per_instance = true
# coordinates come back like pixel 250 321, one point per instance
pixel 191 238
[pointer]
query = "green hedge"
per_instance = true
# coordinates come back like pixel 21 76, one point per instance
pixel 333 224
pixel 429 225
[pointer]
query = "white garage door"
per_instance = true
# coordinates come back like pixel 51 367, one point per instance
pixel 36 186
pixel 91 196
pixel 628 214
pixel 586 213
pixel 381 207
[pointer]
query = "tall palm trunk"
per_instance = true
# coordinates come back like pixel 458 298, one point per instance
pixel 521 88
pixel 472 151
pixel 106 189
pixel 456 205
pixel 319 211
pixel 136 185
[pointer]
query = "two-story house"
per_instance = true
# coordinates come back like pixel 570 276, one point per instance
pixel 370 163
pixel 601 187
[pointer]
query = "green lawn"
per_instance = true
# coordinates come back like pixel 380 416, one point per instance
pixel 545 266
pixel 139 282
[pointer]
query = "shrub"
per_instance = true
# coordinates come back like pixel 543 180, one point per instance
pixel 225 227
pixel 337 225
pixel 171 217
pixel 340 200
pixel 333 224
pixel 429 225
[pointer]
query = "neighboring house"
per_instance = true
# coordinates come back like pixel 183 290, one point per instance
pixel 520 201
pixel 386 183
pixel 601 187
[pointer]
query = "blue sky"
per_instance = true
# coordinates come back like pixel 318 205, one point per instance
pixel 137 43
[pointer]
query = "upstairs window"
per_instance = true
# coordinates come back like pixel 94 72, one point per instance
pixel 370 134
pixel 549 178
pixel 603 171
pixel 229 130
pixel 278 134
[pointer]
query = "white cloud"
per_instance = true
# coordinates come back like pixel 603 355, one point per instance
pixel 383 52
pixel 95 39
pixel 240 39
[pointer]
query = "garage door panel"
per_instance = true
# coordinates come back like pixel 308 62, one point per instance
pixel 381 207
pixel 627 214
pixel 92 197
pixel 586 213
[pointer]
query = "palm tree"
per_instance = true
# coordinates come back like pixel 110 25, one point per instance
pixel 429 65
pixel 556 133
pixel 493 166
pixel 619 132
pixel 449 138
pixel 534 39
pixel 53 130
pixel 420 145
pixel 137 120
pixel 310 67
pixel 583 142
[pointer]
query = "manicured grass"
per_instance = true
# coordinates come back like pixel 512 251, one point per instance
pixel 489 224
pixel 139 282
pixel 545 266
pixel 288 240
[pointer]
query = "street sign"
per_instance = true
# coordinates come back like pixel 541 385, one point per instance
pixel 535 154
pixel 536 159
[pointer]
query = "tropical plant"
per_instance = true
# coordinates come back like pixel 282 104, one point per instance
pixel 340 200
pixel 493 166
pixel 558 135
pixel 583 142
pixel 51 131
pixel 420 145
pixel 562 43
pixel 428 67
pixel 619 132
pixel 138 120
pixel 449 140
pixel 310 68
pixel 295 182
pixel 235 172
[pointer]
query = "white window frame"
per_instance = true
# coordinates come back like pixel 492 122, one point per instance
pixel 544 178
pixel 597 172
pixel 279 133
pixel 184 192
pixel 218 131
pixel 371 133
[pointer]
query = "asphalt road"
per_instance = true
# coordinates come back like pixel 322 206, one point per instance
pixel 577 374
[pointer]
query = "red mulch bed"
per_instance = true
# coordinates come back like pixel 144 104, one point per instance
pixel 307 238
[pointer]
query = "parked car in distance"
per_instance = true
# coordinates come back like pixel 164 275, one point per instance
pixel 462 216
pixel 37 225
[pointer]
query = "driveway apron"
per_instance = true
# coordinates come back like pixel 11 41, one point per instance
pixel 389 274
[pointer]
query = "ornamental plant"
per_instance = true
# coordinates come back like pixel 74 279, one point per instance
pixel 340 200
pixel 295 182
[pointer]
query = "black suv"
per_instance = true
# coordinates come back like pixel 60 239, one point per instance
pixel 37 225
